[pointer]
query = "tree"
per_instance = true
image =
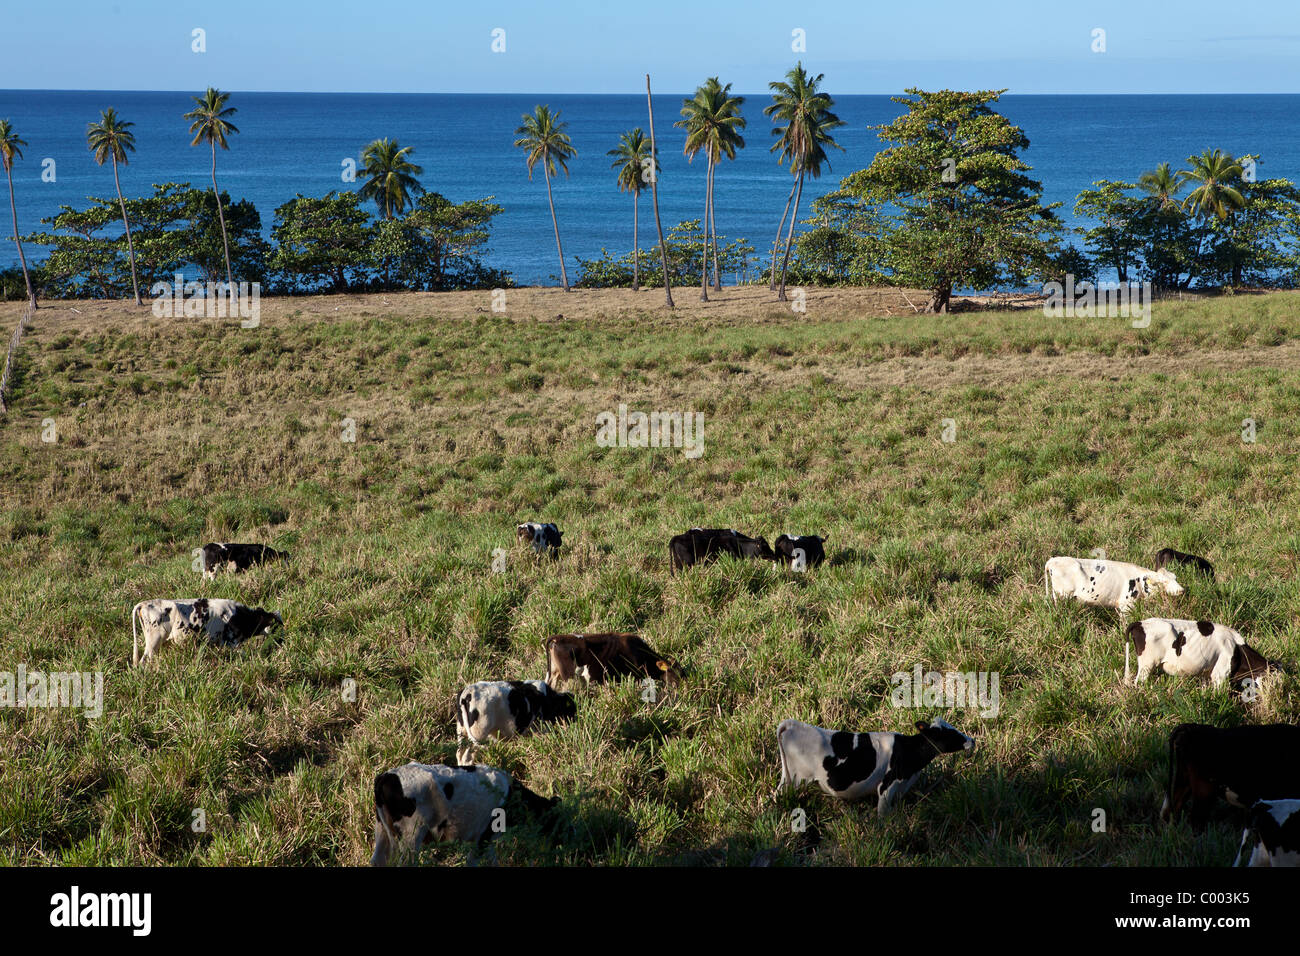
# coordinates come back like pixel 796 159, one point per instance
pixel 1169 248
pixel 1217 175
pixel 9 151
pixel 543 139
pixel 631 159
pixel 321 241
pixel 713 123
pixel 210 124
pixel 1118 240
pixel 654 196
pixel 391 176
pixel 111 138
pixel 450 239
pixel 803 139
pixel 958 207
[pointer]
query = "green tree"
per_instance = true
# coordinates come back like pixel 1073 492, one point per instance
pixel 1170 247
pixel 713 123
pixel 543 139
pixel 320 242
pixel 9 151
pixel 1217 176
pixel 111 138
pixel 806 113
pixel 390 176
pixel 210 123
pixel 631 159
pixel 952 191
pixel 1118 238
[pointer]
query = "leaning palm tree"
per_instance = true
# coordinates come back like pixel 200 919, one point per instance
pixel 713 123
pixel 543 139
pixel 9 151
pixel 803 139
pixel 111 138
pixel 631 159
pixel 209 124
pixel 391 176
pixel 1214 172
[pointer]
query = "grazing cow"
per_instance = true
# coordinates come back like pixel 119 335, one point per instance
pixel 1190 648
pixel 503 709
pixel 1276 823
pixel 1166 555
pixel 594 657
pixel 1107 583
pixel 1241 764
pixel 542 538
pixel 704 545
pixel 852 766
pixel 811 545
pixel 222 621
pixel 237 557
pixel 420 803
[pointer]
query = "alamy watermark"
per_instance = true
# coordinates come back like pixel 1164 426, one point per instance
pixel 211 300
pixel 624 429
pixel 951 689
pixel 1108 300
pixel 54 689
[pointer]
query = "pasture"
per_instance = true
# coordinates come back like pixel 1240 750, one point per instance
pixel 1067 435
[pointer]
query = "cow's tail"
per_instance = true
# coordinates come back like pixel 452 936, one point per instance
pixel 1245 835
pixel 1047 582
pixel 135 643
pixel 780 749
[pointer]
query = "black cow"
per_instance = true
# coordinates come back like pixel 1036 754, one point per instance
pixel 810 544
pixel 1240 764
pixel 237 557
pixel 704 545
pixel 1169 555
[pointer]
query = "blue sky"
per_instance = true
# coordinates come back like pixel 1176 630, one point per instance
pixel 587 46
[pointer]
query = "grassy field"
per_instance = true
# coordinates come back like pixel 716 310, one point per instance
pixel 1069 435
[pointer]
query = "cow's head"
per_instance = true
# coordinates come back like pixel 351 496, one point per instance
pixel 559 706
pixel 561 659
pixel 1169 582
pixel 944 737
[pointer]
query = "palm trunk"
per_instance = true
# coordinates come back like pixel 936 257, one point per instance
pixel 636 248
pixel 776 243
pixel 27 279
pixel 704 261
pixel 654 194
pixel 225 244
pixel 713 226
pixel 789 236
pixel 130 246
pixel 564 276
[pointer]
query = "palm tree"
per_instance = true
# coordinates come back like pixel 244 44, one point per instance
pixel 803 139
pixel 111 138
pixel 1161 185
pixel 543 139
pixel 209 124
pixel 654 197
pixel 391 175
pixel 9 143
pixel 630 157
pixel 713 123
pixel 1215 171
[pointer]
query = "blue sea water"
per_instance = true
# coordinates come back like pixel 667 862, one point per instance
pixel 292 143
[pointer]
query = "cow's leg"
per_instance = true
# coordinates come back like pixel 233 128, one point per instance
pixel 890 792
pixel 383 846
pixel 1143 672
pixel 153 639
pixel 1222 670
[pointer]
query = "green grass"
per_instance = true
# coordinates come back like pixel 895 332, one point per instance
pixel 1070 435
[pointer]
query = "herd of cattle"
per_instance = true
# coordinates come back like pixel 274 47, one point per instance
pixel 1254 767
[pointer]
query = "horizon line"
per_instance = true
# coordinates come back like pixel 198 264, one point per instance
pixel 900 91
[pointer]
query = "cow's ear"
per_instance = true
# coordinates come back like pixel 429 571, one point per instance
pixel 922 726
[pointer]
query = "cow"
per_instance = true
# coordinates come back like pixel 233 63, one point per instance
pixel 504 709
pixel 814 554
pixel 853 766
pixel 542 538
pixel 420 803
pixel 1193 648
pixel 1276 824
pixel 594 657
pixel 222 621
pixel 1166 555
pixel 1106 583
pixel 1241 764
pixel 226 556
pixel 704 545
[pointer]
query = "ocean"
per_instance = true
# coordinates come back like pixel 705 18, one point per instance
pixel 291 143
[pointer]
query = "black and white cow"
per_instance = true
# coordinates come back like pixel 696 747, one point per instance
pixel 420 803
pixel 1193 648
pixel 705 545
pixel 788 546
pixel 503 709
pixel 853 766
pixel 1240 764
pixel 1107 583
pixel 225 556
pixel 542 538
pixel 1169 555
pixel 220 620
pixel 1276 824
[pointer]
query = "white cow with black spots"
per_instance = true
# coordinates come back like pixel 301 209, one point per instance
pixel 1192 649
pixel 1106 583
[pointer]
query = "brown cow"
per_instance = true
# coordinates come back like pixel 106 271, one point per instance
pixel 593 657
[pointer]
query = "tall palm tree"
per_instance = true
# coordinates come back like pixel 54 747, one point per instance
pixel 1161 185
pixel 209 124
pixel 9 151
pixel 713 123
pixel 111 138
pixel 543 139
pixel 803 139
pixel 1214 172
pixel 630 158
pixel 654 197
pixel 392 176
